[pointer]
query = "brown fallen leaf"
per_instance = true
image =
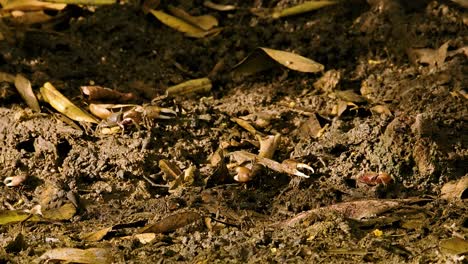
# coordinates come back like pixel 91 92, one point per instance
pixel 171 223
pixel 455 189
pixel 354 210
pixel 265 58
pixel 99 93
pixel 24 88
pixel 432 57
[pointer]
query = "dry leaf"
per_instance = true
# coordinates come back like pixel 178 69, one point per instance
pixel 178 24
pixel 302 8
pixel 454 245
pixel 455 189
pixel 353 210
pixel 170 170
pixel 29 18
pixel 9 217
pixel 65 212
pixel 311 128
pixel 30 5
pixel 171 223
pixel 65 106
pixel 99 93
pixel 328 81
pixel 143 238
pixel 75 255
pixel 265 58
pixel 205 22
pixel 202 85
pixel 6 77
pixel 219 7
pixel 96 235
pixel 24 88
pixel 432 57
pixel 350 96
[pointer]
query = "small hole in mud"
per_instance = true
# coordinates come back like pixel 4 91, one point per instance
pixel 27 145
pixel 63 148
pixel 464 194
pixel 350 183
pixel 338 149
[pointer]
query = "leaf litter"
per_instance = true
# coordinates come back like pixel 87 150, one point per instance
pixel 363 137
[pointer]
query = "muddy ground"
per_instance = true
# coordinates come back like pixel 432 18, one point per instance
pixel 115 181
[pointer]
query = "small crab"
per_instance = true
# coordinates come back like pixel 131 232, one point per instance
pixel 137 115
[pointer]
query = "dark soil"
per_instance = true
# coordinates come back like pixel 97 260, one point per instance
pixel 116 179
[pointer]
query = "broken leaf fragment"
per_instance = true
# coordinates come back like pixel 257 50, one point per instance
pixel 265 58
pixel 60 103
pixel 302 8
pixel 24 88
pixel 76 255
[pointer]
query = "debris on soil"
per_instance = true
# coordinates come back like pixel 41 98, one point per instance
pixel 371 165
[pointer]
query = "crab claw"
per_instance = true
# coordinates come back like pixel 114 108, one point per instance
pixel 166 113
pixel 292 167
pixel 14 181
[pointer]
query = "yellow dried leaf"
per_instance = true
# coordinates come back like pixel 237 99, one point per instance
pixel 97 235
pixel 60 103
pixel 205 22
pixel 201 85
pixel 9 217
pixel 30 5
pixel 177 24
pixel 65 212
pixel 302 8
